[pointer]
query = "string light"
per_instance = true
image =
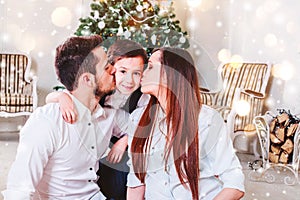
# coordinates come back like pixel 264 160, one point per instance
pixel 137 21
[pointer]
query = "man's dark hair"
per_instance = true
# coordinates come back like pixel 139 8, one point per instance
pixel 125 49
pixel 75 57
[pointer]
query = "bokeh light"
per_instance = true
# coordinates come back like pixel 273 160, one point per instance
pixel 224 55
pixel 276 70
pixel 194 3
pixel 271 6
pixel 27 43
pixel 291 27
pixel 247 6
pixel 236 59
pixel 242 107
pixel 191 24
pixel 61 16
pixel 284 71
pixel 260 13
pixel 219 24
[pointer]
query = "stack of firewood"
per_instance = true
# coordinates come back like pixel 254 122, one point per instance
pixel 282 130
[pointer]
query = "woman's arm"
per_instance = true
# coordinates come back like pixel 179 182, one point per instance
pixel 67 108
pixel 229 194
pixel 136 193
pixel 222 159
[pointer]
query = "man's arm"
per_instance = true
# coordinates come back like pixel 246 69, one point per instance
pixel 33 152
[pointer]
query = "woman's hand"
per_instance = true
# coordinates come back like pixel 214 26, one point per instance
pixel 117 151
pixel 136 193
pixel 229 194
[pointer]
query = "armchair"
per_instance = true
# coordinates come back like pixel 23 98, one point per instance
pixel 18 94
pixel 241 81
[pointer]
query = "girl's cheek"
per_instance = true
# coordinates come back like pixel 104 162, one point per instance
pixel 118 81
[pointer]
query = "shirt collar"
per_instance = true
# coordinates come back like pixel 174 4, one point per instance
pixel 82 110
pixel 99 111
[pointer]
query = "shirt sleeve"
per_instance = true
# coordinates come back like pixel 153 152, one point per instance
pixel 132 180
pixel 121 123
pixel 35 147
pixel 218 150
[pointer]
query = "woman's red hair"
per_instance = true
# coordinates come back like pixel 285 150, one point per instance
pixel 183 108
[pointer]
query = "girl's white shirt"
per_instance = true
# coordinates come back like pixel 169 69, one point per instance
pixel 219 165
pixel 118 100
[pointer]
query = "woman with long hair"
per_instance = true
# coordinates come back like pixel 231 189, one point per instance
pixel 180 148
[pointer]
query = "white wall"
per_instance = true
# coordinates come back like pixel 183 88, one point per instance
pixel 256 30
pixel 207 25
pixel 269 31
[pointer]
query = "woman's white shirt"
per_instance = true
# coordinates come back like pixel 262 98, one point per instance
pixel 219 165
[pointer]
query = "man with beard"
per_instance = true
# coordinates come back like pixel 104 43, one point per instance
pixel 59 160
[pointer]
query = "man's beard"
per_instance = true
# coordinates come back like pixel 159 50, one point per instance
pixel 100 93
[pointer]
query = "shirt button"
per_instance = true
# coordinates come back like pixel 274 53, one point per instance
pixel 93 147
pixel 166 183
pixel 89 123
pixel 91 169
pixel 89 180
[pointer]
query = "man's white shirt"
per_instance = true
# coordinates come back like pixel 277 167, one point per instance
pixel 58 160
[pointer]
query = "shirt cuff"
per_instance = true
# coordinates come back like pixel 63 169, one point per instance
pixel 234 179
pixel 133 181
pixel 15 195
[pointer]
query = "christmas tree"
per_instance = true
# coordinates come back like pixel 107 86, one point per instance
pixel 138 20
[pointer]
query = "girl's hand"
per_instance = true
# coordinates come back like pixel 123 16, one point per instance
pixel 69 112
pixel 67 108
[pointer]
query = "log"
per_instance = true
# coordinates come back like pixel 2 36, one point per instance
pixel 274 158
pixel 280 134
pixel 274 139
pixel 284 156
pixel 282 117
pixel 291 129
pixel 272 125
pixel 275 149
pixel 288 146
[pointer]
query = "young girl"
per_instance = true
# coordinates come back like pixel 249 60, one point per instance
pixel 179 148
pixel 129 58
